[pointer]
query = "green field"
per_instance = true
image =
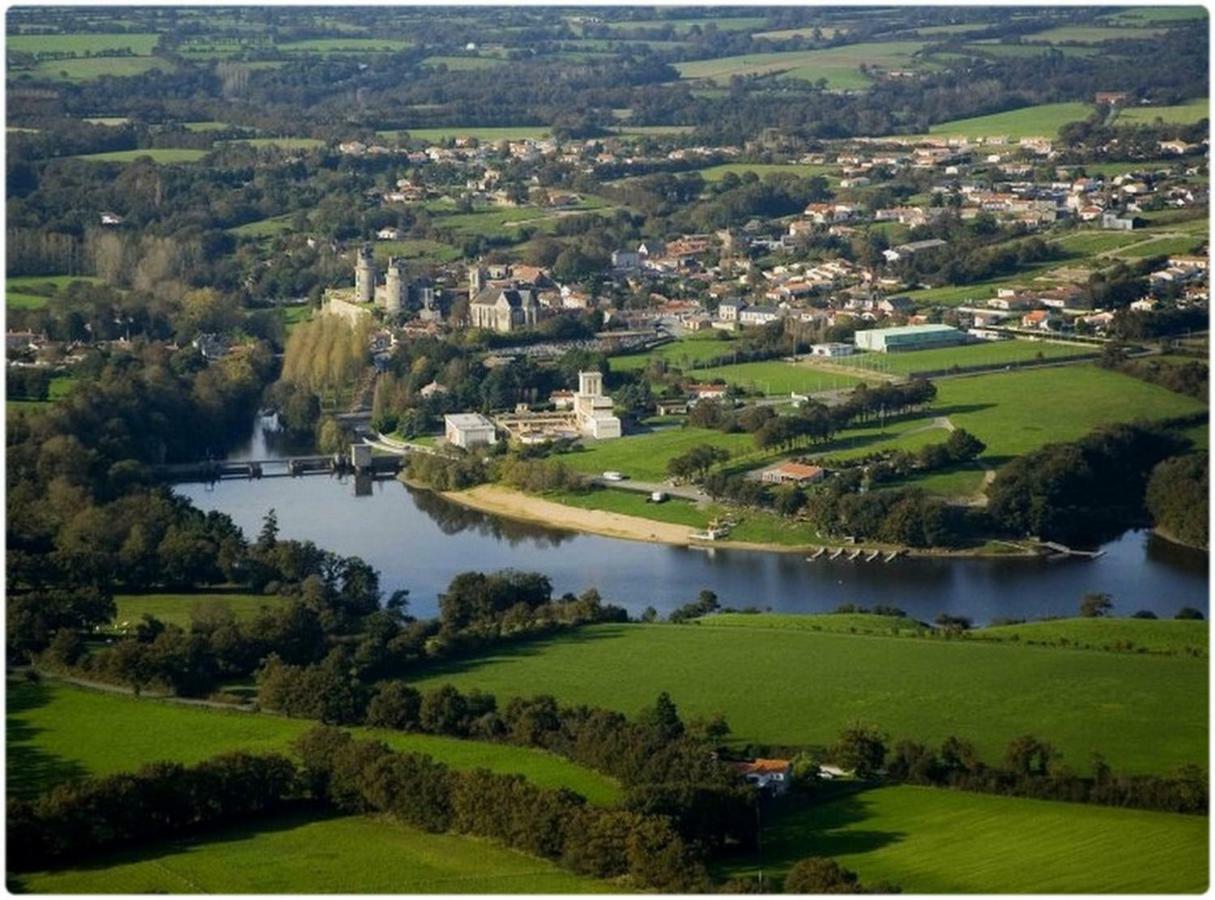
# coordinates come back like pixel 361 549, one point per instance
pixel 1152 635
pixel 1091 34
pixel 1136 14
pixel 345 45
pixel 981 354
pixel 683 26
pixel 931 840
pixel 481 133
pixel 34 291
pixel 78 69
pixel 839 65
pixel 686 354
pixel 263 228
pixel 803 170
pixel 297 855
pixel 1090 242
pixel 644 456
pixel 206 126
pixel 421 248
pixel 1030 121
pixel 57 732
pixel 1016 412
pixel 281 143
pixel 91 43
pixel 1147 713
pixel 1183 114
pixel 845 623
pixel 632 503
pixel 777 377
pixel 162 155
pixel 463 63
pixel 178 609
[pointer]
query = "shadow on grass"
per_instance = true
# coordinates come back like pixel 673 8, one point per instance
pixel 821 825
pixel 522 648
pixel 304 814
pixel 30 769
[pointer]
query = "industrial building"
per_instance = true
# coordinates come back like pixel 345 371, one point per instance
pixel 469 430
pixel 908 337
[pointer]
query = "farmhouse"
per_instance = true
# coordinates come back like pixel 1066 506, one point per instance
pixel 790 472
pixel 469 430
pixel 908 337
pixel 773 775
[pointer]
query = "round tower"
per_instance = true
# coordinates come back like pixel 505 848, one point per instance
pixel 364 275
pixel 394 287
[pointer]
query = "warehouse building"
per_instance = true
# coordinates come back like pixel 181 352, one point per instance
pixel 469 430
pixel 908 337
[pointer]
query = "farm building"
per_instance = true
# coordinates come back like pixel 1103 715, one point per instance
pixel 771 775
pixel 469 430
pixel 908 337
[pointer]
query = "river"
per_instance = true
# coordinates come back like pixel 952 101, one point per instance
pixel 419 541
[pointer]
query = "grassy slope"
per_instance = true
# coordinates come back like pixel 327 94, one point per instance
pixel 176 609
pixel 839 65
pixel 1186 113
pixel 157 154
pixel 1154 635
pixel 56 732
pixel 928 840
pixel 1031 121
pixel 297 855
pixel 1147 713
pixel 1016 412
pixel 645 456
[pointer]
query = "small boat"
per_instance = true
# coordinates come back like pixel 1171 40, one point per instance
pixel 890 557
pixel 872 556
pixel 835 554
pixel 853 555
pixel 715 532
pixel 816 554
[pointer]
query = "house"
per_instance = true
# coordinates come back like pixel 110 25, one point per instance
pixel 772 775
pixel 469 430
pixel 108 218
pixel 434 389
pixel 896 306
pixel 504 310
pixel 388 234
pixel 1111 98
pixel 790 472
pixel 832 349
pixel 1111 221
pixel 212 346
pixel 758 315
pixel 1038 318
pixel 708 391
pixel 626 259
pixel 730 310
pixel 671 407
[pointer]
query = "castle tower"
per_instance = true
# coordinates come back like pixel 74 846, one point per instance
pixel 364 275
pixel 394 287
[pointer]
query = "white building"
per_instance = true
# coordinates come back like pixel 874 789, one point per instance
pixel 593 410
pixel 832 349
pixel 469 430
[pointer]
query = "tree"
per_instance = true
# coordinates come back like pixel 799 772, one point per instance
pixel 963 446
pixel 395 705
pixel 268 536
pixel 820 875
pixel 1096 605
pixel 1027 755
pixel 1189 612
pixel 662 718
pixel 860 748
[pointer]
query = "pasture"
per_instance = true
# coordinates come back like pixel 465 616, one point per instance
pixel 1146 713
pixel 840 66
pixel 159 155
pixel 34 291
pixel 1092 34
pixel 298 855
pixel 92 43
pixel 280 143
pixel 57 732
pixel 1183 114
pixel 179 609
pixel 1044 120
pixel 463 63
pixel 263 228
pixel 79 69
pixel 421 249
pixel 930 840
pixel 1152 635
pixel 345 45
pixel 1016 412
pixel 993 353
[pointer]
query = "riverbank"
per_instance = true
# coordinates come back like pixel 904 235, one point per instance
pixel 509 503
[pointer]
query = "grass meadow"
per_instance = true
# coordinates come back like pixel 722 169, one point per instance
pixel 57 732
pixel 929 840
pixel 34 291
pixel 178 609
pixel 298 855
pixel 1146 713
pixel 79 69
pixel 481 133
pixel 162 155
pixel 644 456
pixel 138 44
pixel 1044 120
pixel 1183 114
pixel 840 66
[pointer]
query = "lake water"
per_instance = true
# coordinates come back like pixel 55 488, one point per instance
pixel 419 541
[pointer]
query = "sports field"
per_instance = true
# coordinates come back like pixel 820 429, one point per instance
pixel 980 354
pixel 685 354
pixel 57 732
pixel 776 377
pixel 840 66
pixel 1146 713
pixel 1030 121
pixel 1182 114
pixel 297 855
pixel 1016 412
pixel 931 840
